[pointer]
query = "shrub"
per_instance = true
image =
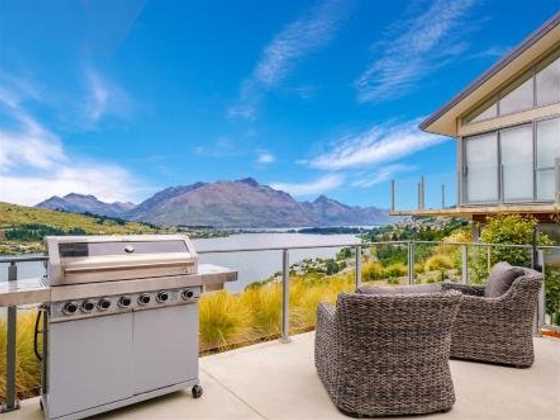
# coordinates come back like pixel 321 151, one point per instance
pixel 438 262
pixel 516 229
pixel 265 304
pixel 418 268
pixel 372 270
pixel 396 270
pixel 224 320
pixel 28 370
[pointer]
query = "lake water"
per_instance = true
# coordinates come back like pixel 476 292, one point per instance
pixel 252 266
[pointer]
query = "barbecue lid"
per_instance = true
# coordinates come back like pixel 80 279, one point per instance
pixel 84 259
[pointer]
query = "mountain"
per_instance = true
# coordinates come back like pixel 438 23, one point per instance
pixel 241 203
pixel 79 203
pixel 329 212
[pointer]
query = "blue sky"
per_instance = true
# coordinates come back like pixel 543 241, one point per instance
pixel 121 99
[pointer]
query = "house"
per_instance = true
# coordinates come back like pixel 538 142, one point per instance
pixel 507 128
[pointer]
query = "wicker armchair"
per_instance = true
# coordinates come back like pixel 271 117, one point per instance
pixel 383 355
pixel 497 330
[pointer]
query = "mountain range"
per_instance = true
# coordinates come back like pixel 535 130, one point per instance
pixel 240 203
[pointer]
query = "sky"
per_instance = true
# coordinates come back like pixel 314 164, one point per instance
pixel 121 99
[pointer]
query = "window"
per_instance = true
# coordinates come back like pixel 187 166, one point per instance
pixel 539 86
pixel 548 150
pixel 516 146
pixel 516 164
pixel 485 112
pixel 548 84
pixel 518 99
pixel 481 167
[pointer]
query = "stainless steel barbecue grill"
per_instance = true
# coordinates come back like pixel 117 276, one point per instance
pixel 121 325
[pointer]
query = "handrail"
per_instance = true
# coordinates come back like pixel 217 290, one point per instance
pixel 11 398
pixel 37 258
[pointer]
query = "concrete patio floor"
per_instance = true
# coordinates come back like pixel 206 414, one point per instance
pixel 278 381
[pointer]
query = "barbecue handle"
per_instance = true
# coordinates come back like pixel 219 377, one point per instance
pixel 36 335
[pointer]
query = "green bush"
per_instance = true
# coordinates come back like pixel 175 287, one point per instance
pixel 396 270
pixel 438 262
pixel 372 270
pixel 516 229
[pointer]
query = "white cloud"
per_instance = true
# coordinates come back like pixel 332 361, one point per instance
pixel 317 186
pixel 265 158
pixel 414 48
pixel 222 147
pixel 378 145
pixel 301 37
pixel 104 98
pixel 35 166
pixel 381 175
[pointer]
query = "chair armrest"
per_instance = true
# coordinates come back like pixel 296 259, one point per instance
pixel 464 289
pixel 326 312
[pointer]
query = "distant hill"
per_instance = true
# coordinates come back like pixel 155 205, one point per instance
pixel 79 203
pixel 13 216
pixel 240 203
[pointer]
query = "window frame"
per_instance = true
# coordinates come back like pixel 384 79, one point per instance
pixel 529 73
pixel 464 199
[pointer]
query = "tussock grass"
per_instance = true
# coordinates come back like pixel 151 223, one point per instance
pixel 224 321
pixel 28 370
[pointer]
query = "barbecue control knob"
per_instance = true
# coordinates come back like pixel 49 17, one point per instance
pixel 87 306
pixel 69 308
pixel 103 304
pixel 124 301
pixel 143 299
pixel 188 294
pixel 162 297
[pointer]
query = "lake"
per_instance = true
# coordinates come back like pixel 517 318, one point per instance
pixel 252 266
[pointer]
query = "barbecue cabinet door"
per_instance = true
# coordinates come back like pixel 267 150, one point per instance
pixel 165 347
pixel 89 363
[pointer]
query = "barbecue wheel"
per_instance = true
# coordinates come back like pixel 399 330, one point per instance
pixel 197 391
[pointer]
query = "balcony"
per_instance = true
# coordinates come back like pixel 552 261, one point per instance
pixel 278 381
pixel 436 196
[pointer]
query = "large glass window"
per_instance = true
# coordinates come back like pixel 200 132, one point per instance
pixel 539 86
pixel 516 145
pixel 548 84
pixel 485 112
pixel 518 99
pixel 548 150
pixel 481 165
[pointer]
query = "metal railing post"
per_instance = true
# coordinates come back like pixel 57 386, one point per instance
pixel 358 275
pixel 489 258
pixel 465 264
pixel 423 192
pixel 541 306
pixel 411 259
pixel 392 195
pixel 557 181
pixel 442 196
pixel 285 338
pixel 12 402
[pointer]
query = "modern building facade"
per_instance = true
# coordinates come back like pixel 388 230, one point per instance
pixel 507 127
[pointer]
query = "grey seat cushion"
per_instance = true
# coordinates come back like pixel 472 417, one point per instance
pixel 399 290
pixel 501 278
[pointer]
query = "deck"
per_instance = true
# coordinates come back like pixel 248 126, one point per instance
pixel 278 381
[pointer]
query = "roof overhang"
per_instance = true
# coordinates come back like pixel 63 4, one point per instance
pixel 544 39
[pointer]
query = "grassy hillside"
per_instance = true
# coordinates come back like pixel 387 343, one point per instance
pixel 22 228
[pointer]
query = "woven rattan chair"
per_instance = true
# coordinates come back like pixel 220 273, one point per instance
pixel 386 354
pixel 497 330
